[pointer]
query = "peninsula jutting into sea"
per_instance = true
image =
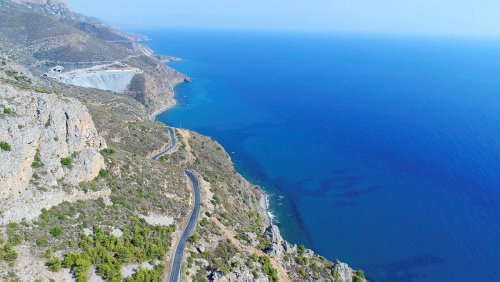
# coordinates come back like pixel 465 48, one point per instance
pixel 94 189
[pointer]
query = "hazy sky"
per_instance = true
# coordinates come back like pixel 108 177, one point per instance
pixel 448 17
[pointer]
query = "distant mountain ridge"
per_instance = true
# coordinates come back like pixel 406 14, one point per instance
pixel 55 7
pixel 43 34
pixel 44 2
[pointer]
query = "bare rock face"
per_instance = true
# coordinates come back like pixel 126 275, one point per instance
pixel 42 130
pixel 276 248
pixel 343 272
pixel 62 3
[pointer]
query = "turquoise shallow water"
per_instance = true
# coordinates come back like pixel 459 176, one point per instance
pixel 383 152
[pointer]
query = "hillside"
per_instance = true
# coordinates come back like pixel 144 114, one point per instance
pixel 41 39
pixel 81 198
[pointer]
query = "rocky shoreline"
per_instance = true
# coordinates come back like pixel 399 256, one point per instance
pixel 278 247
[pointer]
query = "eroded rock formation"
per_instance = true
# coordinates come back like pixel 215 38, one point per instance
pixel 42 130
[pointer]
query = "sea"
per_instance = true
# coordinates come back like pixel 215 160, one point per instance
pixel 382 151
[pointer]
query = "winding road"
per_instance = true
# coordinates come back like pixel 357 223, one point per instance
pixel 175 270
pixel 175 273
pixel 176 266
pixel 173 143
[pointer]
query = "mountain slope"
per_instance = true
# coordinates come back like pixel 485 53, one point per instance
pixel 40 39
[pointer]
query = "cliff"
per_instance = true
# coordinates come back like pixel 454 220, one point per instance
pixel 43 130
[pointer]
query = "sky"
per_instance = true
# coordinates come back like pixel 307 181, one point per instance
pixel 424 17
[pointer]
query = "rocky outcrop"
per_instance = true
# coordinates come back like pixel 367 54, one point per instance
pixel 42 130
pixel 342 272
pixel 277 246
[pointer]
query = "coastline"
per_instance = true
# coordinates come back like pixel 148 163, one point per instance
pixel 264 203
pixel 235 239
pixel 158 112
pixel 173 103
pixel 279 249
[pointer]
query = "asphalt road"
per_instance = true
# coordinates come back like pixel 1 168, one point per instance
pixel 173 143
pixel 175 274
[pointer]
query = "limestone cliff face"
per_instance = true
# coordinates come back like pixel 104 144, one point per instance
pixel 41 130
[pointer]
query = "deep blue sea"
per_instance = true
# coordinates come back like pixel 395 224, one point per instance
pixel 383 152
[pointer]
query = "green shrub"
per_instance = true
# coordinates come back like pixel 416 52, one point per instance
pixel 14 239
pixel 79 263
pixel 359 276
pixel 194 238
pixel 8 253
pixel 301 250
pixel 356 278
pixel 12 74
pixel 301 260
pixel 360 273
pixel 42 90
pixel 302 272
pixel 7 111
pixel 45 216
pixel 67 162
pixel 42 241
pixel 222 255
pixel 268 269
pixel 56 231
pixel 103 173
pixel 336 276
pixel 36 161
pixel 54 264
pixel 263 243
pixel 108 151
pixel 143 274
pixel 48 253
pixel 5 146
